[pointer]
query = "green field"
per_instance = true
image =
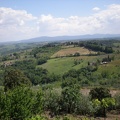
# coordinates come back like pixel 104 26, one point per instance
pixel 62 65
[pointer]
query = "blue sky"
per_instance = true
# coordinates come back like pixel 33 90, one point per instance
pixel 24 19
pixel 58 8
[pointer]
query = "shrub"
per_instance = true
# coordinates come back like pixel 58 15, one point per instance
pixel 19 104
pixel 16 104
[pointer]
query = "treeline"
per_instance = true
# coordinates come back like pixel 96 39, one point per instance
pixel 98 47
pixel 95 45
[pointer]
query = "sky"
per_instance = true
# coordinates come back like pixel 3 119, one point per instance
pixel 25 19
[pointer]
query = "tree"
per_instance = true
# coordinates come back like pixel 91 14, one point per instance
pixel 103 98
pixel 99 93
pixel 14 78
pixel 101 106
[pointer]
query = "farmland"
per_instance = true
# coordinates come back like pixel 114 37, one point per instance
pixel 71 51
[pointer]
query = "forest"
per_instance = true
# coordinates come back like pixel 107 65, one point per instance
pixel 63 80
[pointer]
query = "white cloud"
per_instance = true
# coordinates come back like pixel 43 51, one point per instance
pixel 18 24
pixel 104 21
pixel 96 9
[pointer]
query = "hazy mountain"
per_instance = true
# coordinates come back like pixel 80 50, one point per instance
pixel 64 38
pixel 79 37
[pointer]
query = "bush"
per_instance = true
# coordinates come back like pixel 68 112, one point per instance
pixel 70 98
pixel 19 104
pixel 84 106
pixel 52 102
pixel 41 61
pixel 16 104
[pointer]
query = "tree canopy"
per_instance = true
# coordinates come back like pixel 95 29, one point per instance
pixel 14 78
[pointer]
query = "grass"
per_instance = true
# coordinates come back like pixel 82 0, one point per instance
pixel 58 65
pixel 62 65
pixel 111 68
pixel 116 44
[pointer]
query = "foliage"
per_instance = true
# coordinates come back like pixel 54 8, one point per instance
pixel 100 107
pixel 99 93
pixel 36 75
pixel 37 117
pixel 70 97
pixel 71 73
pixel 20 104
pixel 41 61
pixel 69 82
pixel 45 51
pixel 14 78
pixel 52 102
pixel 84 106
pixel 38 103
pixel 96 46
pixel 102 100
pixel 16 104
pixel 117 99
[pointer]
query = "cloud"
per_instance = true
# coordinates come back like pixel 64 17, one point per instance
pixel 105 21
pixel 18 24
pixel 96 9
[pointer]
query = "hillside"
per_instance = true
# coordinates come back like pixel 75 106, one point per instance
pixel 62 72
pixel 60 58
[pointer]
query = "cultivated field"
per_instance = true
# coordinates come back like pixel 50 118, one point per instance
pixel 71 51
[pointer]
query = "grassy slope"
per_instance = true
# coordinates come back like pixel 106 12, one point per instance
pixel 62 65
pixel 110 68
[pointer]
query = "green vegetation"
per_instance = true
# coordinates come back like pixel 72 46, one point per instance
pixel 37 84
pixel 14 78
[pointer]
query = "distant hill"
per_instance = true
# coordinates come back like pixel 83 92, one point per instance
pixel 79 37
pixel 46 39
